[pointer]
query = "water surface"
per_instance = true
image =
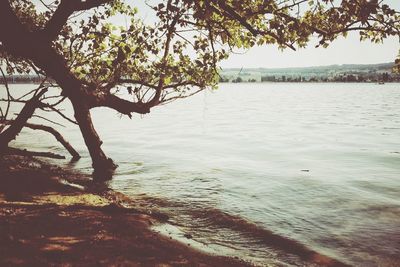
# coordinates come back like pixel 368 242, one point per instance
pixel 315 163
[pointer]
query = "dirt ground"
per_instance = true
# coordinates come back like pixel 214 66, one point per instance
pixel 46 221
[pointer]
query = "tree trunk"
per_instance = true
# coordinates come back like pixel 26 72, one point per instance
pixel 21 42
pixel 102 165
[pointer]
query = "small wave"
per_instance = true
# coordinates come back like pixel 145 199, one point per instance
pixel 265 236
pixel 236 231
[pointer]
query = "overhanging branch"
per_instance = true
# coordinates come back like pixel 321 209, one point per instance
pixel 121 105
pixel 65 9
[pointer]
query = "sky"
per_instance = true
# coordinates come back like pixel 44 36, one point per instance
pixel 342 51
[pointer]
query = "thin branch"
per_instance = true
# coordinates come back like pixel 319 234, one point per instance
pixel 9 97
pixel 44 106
pixel 48 120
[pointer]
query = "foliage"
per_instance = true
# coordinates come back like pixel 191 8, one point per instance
pixel 134 66
pixel 181 50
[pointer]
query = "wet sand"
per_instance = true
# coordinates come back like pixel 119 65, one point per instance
pixel 52 216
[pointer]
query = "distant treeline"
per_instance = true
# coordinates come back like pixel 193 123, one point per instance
pixel 360 77
pixel 22 79
pixel 382 72
pixel 351 77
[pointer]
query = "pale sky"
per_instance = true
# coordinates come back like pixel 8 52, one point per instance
pixel 342 51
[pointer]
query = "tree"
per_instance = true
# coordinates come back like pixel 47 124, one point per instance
pixel 132 68
pixel 238 80
pixel 385 77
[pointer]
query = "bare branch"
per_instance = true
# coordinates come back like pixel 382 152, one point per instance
pixel 27 111
pixel 44 106
pixel 55 133
pixel 9 97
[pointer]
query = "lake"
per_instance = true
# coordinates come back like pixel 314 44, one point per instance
pixel 318 164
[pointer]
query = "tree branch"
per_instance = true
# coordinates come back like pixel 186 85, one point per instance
pixel 231 13
pixel 26 113
pixel 55 133
pixel 65 9
pixel 121 105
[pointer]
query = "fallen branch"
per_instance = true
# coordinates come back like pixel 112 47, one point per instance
pixel 26 113
pixel 75 155
pixel 24 152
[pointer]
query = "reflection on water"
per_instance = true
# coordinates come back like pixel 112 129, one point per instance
pixel 314 163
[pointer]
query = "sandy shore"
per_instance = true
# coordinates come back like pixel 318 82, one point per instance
pixel 52 216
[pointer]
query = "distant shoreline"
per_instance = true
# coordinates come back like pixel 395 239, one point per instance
pixel 350 73
pixel 266 82
pixel 347 73
pixel 365 82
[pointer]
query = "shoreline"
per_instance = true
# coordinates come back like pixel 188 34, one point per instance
pixel 53 216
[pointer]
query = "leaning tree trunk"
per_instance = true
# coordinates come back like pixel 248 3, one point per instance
pixel 21 42
pixel 15 128
pixel 102 165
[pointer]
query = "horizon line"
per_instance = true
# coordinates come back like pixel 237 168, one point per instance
pixel 312 66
